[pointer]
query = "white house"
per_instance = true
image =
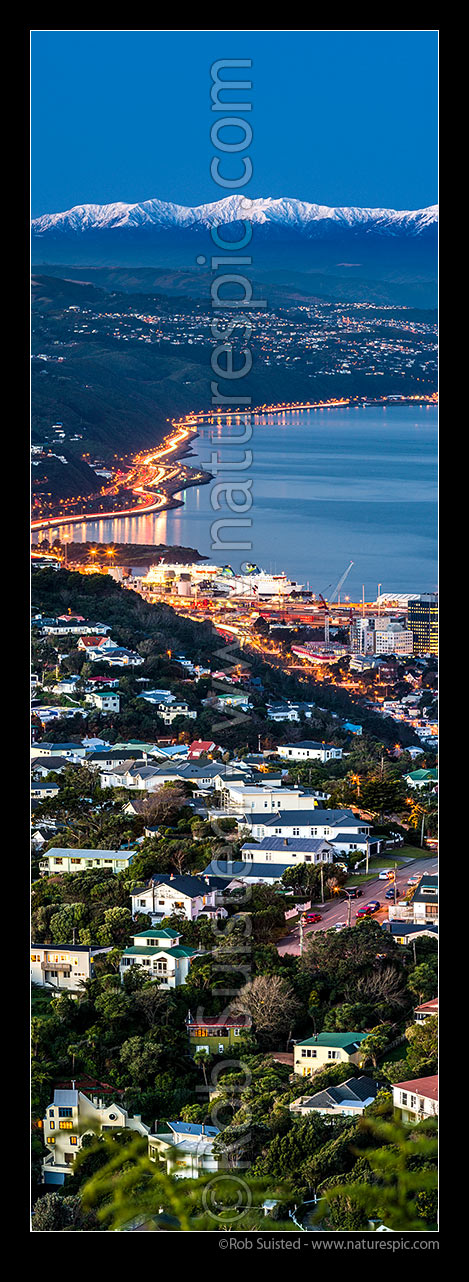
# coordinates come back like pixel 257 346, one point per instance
pixel 161 955
pixel 65 968
pixel 105 700
pixel 289 711
pixel 341 827
pixel 416 1099
pixel 288 850
pixel 248 799
pixel 69 859
pixel 179 708
pixel 185 1148
pixel 309 750
pixel 72 1115
pixel 69 625
pixel 71 751
pixel 164 895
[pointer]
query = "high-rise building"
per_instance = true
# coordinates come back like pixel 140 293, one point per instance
pixel 375 635
pixel 422 619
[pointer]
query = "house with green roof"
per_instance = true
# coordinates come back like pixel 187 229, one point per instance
pixel 422 778
pixel 326 1048
pixel 160 954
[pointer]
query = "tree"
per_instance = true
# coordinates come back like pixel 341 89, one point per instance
pixel 165 803
pixel 116 928
pixel 374 1045
pixel 272 1005
pixel 402 1188
pixel 422 1052
pixel 423 980
pixel 54 1214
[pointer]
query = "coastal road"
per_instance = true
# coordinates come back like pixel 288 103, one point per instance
pixel 146 472
pixel 337 910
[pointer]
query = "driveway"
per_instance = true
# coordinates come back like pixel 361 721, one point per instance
pixel 337 910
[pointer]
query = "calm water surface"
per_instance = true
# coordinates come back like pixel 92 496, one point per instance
pixel 328 487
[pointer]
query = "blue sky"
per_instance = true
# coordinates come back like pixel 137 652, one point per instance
pixel 338 118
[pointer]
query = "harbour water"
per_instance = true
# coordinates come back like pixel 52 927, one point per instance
pixel 328 486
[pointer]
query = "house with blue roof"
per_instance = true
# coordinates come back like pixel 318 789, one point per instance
pixel 185 1149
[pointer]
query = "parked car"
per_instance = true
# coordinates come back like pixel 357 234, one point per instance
pixel 311 917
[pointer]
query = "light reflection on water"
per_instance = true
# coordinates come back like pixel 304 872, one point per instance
pixel 328 486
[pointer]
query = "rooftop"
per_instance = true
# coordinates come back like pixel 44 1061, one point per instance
pixel 427 1086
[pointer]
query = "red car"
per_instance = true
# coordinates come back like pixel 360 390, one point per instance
pixel 364 912
pixel 307 918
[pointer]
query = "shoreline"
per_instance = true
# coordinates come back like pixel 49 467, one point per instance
pixel 172 485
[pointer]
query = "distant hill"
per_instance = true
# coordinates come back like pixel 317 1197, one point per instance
pixel 371 247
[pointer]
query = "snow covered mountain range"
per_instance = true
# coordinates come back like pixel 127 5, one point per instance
pixel 284 214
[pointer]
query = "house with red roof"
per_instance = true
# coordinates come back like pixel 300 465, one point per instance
pixel 426 1010
pixel 416 1099
pixel 200 746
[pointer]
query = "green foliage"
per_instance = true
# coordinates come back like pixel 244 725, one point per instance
pixel 401 1187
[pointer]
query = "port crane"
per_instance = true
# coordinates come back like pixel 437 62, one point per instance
pixel 324 605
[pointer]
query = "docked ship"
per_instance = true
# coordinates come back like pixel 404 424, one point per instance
pixel 256 582
pixel 221 579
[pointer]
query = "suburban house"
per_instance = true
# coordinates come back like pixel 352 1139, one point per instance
pixel 65 968
pixel 224 702
pixel 422 778
pixel 350 1099
pixel 214 1035
pixel 40 791
pixel 425 901
pixel 235 872
pixel 417 1099
pixel 105 700
pixel 309 750
pixel 288 850
pixel 68 859
pixel 201 747
pixel 404 932
pixel 161 955
pixel 346 832
pixel 170 893
pixel 74 624
pixel 88 642
pixel 326 1048
pixel 42 766
pixel 72 1115
pixel 186 1148
pixel 426 1011
pixel 289 711
pixel 247 799
pixel 67 685
pixel 422 909
pixel 179 708
pixel 71 751
pixel 106 758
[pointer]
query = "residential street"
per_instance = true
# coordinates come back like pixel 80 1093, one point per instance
pixel 336 911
